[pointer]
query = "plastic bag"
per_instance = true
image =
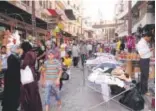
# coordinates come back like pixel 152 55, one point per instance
pixel 133 100
pixel 26 76
pixel 65 76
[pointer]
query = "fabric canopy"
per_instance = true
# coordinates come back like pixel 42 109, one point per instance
pixel 69 14
pixel 66 34
pixel 49 12
pixel 52 12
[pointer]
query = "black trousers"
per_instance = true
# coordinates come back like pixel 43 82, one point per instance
pixel 75 61
pixel 144 67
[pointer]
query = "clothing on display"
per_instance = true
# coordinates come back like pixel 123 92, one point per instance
pixel 105 92
pixel 105 78
pixel 103 59
pixel 109 65
pixel 117 72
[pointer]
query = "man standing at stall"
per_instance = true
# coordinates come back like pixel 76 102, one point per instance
pixel 145 53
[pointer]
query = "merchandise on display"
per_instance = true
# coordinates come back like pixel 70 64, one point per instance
pixel 107 58
pixel 128 56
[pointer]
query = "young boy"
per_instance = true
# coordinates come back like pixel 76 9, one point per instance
pixel 51 80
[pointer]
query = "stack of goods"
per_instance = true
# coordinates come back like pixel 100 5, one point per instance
pixel 114 82
pixel 128 56
pixel 103 59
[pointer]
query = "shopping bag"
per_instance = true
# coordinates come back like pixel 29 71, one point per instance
pixel 65 76
pixel 26 76
pixel 133 100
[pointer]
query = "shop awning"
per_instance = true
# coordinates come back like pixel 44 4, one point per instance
pixel 52 12
pixel 69 14
pixel 20 14
pixel 66 34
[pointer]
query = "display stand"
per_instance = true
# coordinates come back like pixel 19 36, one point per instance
pixel 93 87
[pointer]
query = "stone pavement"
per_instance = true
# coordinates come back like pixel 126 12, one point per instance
pixel 78 97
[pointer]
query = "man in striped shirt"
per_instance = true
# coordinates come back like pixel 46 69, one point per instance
pixel 51 80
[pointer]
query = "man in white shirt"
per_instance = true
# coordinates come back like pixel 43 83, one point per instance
pixel 75 54
pixel 145 53
pixel 89 48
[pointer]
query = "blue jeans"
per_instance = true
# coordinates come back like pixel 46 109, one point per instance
pixel 51 90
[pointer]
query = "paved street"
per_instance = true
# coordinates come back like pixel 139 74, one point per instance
pixel 77 97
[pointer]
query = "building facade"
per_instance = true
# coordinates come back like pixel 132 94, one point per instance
pixel 143 14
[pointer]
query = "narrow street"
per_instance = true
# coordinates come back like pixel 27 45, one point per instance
pixel 77 97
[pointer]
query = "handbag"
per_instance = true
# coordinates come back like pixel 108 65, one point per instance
pixel 65 76
pixel 26 76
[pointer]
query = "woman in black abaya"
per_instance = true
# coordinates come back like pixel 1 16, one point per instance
pixel 30 97
pixel 12 81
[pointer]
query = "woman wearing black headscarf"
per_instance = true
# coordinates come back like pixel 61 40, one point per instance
pixel 31 100
pixel 12 81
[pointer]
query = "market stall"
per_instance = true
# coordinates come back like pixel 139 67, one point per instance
pixel 106 75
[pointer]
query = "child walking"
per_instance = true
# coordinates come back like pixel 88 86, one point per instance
pixel 50 80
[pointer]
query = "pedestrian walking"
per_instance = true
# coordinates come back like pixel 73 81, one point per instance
pixel 63 49
pixel 30 97
pixel 75 54
pixel 145 53
pixel 51 80
pixel 83 52
pixel 118 44
pixel 4 57
pixel 69 49
pixel 89 48
pixel 40 50
pixel 12 81
pixel 122 46
pixel 113 47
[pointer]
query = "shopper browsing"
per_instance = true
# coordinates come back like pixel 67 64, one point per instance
pixel 51 80
pixel 145 53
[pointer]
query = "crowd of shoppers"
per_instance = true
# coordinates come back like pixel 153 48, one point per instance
pixel 46 60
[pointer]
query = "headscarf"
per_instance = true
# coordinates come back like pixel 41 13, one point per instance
pixel 13 48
